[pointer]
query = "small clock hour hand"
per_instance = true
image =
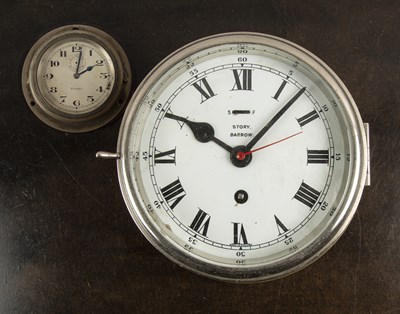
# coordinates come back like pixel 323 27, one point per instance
pixel 275 118
pixel 202 131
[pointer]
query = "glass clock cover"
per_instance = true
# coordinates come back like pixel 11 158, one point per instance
pixel 242 157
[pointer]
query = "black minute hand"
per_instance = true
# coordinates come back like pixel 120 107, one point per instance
pixel 271 122
pixel 202 131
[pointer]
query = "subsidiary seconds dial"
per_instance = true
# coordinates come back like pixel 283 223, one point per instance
pixel 242 157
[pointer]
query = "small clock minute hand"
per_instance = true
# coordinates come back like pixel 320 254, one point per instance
pixel 202 131
pixel 77 74
pixel 89 68
pixel 275 118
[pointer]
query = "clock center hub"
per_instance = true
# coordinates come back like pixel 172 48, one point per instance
pixel 239 158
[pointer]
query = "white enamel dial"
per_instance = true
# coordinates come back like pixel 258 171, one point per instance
pixel 238 158
pixel 76 76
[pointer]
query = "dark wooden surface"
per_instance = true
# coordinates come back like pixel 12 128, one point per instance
pixel 67 242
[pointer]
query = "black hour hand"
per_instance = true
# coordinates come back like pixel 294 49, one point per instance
pixel 89 68
pixel 202 131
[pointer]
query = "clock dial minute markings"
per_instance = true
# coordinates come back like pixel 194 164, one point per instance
pixel 202 131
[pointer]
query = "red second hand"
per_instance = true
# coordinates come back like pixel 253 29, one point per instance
pixel 242 155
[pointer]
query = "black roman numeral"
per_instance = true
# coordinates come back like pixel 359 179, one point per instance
pixel 239 235
pixel 201 222
pixel 206 92
pixel 317 156
pixel 307 195
pixel 167 157
pixel 242 79
pixel 281 227
pixel 280 89
pixel 173 193
pixel 307 118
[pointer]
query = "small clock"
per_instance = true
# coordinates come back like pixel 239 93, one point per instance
pixel 76 78
pixel 242 157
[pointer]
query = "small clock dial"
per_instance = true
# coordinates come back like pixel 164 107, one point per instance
pixel 76 77
pixel 241 158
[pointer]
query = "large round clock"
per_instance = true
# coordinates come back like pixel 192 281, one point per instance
pixel 76 78
pixel 242 157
